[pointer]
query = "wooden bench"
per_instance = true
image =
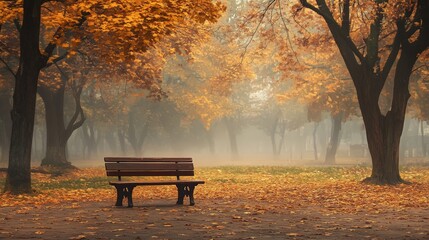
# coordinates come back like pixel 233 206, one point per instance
pixel 127 166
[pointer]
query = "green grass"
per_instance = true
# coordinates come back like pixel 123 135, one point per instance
pixel 82 183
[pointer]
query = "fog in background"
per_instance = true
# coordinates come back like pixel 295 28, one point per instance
pixel 94 141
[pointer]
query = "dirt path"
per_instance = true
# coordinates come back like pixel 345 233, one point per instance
pixel 209 219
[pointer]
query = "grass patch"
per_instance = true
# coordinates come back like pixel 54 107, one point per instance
pixel 82 183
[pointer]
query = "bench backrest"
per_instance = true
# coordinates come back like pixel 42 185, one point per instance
pixel 130 166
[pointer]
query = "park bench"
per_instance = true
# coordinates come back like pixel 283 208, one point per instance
pixel 130 167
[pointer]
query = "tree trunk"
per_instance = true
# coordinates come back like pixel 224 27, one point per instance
pixel 422 131
pixel 384 132
pixel 273 143
pixel 132 136
pixel 121 139
pixel 231 128
pixel 316 125
pixel 111 141
pixel 6 126
pixel 404 141
pixel 334 140
pixel 135 139
pixel 56 139
pixel 210 140
pixel 91 142
pixel 18 178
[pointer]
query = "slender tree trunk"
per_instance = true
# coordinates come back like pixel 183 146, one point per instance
pixel 136 137
pixel 121 139
pixel 282 129
pixel 111 141
pixel 422 131
pixel 334 140
pixel 231 128
pixel 316 126
pixel 210 140
pixel 18 178
pixel 92 141
pixel 273 131
pixel 90 145
pixel 132 136
pixel 273 143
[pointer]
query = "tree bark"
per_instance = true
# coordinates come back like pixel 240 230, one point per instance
pixel 18 178
pixel 57 133
pixel 334 140
pixel 6 125
pixel 56 139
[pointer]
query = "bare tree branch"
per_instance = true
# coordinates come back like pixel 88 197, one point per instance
pixel 270 3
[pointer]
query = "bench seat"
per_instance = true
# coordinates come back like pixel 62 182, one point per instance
pixel 150 183
pixel 165 167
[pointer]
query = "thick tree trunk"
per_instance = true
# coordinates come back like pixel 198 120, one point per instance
pixel 56 138
pixel 384 132
pixel 6 126
pixel 18 178
pixel 334 140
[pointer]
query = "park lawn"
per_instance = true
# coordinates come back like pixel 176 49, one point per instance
pixel 334 189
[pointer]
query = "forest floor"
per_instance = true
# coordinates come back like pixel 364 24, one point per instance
pixel 235 203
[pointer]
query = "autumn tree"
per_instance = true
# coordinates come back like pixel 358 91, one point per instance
pixel 371 37
pixel 33 60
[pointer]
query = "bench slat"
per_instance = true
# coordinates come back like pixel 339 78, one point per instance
pixel 149 166
pixel 149 173
pixel 133 159
pixel 148 183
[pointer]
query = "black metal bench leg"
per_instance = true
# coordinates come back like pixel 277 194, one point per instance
pixel 130 196
pixel 119 195
pixel 191 195
pixel 180 194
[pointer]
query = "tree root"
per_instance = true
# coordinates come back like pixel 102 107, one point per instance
pixel 384 181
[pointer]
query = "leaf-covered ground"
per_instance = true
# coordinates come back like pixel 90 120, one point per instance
pixel 235 203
